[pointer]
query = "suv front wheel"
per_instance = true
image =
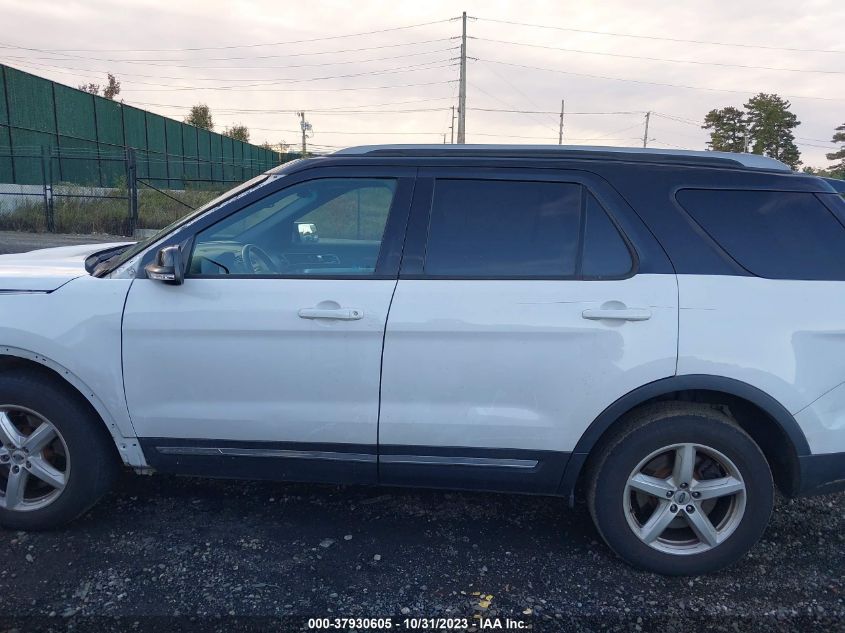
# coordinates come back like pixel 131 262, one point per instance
pixel 56 458
pixel 681 489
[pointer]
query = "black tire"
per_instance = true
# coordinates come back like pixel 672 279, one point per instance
pixel 93 457
pixel 650 429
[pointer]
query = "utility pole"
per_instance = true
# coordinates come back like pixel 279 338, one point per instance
pixel 305 127
pixel 560 129
pixel 462 85
pixel 645 133
pixel 452 127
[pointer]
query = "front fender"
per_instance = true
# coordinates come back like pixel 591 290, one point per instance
pixel 76 332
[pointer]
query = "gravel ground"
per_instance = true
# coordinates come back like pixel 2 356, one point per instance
pixel 164 553
pixel 17 242
pixel 168 546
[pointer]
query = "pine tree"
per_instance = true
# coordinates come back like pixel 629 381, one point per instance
pixel 728 129
pixel 839 155
pixel 770 125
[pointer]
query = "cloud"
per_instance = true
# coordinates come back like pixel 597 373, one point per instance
pixel 425 55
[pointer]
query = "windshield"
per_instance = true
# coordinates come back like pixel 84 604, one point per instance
pixel 121 257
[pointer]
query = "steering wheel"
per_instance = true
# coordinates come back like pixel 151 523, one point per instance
pixel 257 260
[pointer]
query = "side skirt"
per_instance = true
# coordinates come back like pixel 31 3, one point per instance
pixel 456 468
pixel 273 461
pixel 462 468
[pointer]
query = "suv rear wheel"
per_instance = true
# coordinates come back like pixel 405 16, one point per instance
pixel 55 456
pixel 681 489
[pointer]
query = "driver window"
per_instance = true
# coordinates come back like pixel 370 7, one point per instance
pixel 329 226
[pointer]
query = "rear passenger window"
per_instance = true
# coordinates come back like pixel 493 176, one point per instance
pixel 501 229
pixel 779 235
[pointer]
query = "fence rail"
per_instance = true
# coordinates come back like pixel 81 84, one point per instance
pixel 131 202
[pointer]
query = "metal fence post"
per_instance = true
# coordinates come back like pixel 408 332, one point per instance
pixel 47 188
pixel 132 189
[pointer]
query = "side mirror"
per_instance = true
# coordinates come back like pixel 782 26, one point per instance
pixel 167 266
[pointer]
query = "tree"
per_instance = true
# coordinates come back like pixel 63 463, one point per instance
pixel 770 125
pixel 816 171
pixel 93 89
pixel 728 130
pixel 839 155
pixel 280 147
pixel 200 116
pixel 112 89
pixel 237 132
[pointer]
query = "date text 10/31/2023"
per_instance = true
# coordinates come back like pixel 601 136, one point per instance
pixel 415 624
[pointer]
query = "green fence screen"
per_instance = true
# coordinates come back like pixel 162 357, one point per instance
pixel 88 135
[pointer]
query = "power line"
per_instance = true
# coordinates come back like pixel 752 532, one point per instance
pixel 654 140
pixel 651 83
pixel 507 81
pixel 817 140
pixel 827 147
pixel 260 89
pixel 349 109
pixel 159 87
pixel 624 129
pixel 351 132
pixel 678 119
pixel 391 87
pixel 549 138
pixel 556 113
pixel 664 39
pixel 442 63
pixel 158 76
pixel 214 48
pixel 660 59
pixel 151 62
pixel 492 96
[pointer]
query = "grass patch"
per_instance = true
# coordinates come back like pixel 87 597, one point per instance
pixel 91 214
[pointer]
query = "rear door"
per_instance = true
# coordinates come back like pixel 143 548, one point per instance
pixel 528 301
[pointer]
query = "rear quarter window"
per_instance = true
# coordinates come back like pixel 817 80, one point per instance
pixel 772 234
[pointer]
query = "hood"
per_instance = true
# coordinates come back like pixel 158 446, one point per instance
pixel 46 269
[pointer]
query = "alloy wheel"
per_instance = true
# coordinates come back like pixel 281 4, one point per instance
pixel 34 460
pixel 684 499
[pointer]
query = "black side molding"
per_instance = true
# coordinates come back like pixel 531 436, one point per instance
pixel 821 474
pixel 470 468
pixel 273 461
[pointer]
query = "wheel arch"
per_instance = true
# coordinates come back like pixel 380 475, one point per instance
pixel 758 413
pixel 12 358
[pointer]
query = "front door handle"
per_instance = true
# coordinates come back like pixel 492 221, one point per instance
pixel 617 314
pixel 339 314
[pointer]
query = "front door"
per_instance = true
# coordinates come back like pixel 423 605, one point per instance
pixel 266 361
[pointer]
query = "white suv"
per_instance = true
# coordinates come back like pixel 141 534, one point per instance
pixel 660 333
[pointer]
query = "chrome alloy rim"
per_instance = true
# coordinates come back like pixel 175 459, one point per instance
pixel 34 460
pixel 684 499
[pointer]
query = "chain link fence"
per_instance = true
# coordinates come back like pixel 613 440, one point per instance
pixel 132 206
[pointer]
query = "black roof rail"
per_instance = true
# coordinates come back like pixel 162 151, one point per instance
pixel 651 155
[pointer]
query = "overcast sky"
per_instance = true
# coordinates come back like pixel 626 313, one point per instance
pixel 416 68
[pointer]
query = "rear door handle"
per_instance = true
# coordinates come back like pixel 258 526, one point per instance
pixel 619 314
pixel 339 314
